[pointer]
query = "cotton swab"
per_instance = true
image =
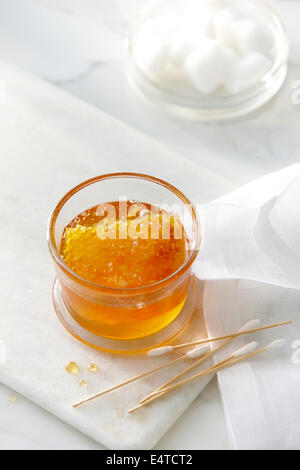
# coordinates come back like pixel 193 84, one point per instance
pixel 250 325
pixel 165 389
pixel 161 351
pixel 276 344
pixel 184 356
pixel 247 326
pixel 248 348
pixel 200 351
pixel 246 352
pixel 197 352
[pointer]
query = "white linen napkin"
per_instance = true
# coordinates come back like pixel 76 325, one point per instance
pixel 252 236
pixel 254 232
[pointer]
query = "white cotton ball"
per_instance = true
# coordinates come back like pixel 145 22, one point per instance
pixel 225 36
pixel 225 16
pixel 180 47
pixel 250 36
pixel 247 71
pixel 150 49
pixel 209 65
pixel 200 22
pixel 222 20
pixel 151 56
pixel 191 32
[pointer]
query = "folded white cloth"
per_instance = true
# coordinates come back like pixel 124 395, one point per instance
pixel 252 236
pixel 254 232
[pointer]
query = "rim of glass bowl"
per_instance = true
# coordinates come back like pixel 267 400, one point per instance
pixel 211 102
pixel 181 270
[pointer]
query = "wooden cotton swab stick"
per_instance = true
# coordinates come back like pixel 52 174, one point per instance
pixel 239 355
pixel 247 326
pixel 201 351
pixel 273 345
pixel 169 348
pixel 160 351
pixel 163 391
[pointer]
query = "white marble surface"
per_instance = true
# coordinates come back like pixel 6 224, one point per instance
pixel 51 141
pixel 78 45
pixel 45 432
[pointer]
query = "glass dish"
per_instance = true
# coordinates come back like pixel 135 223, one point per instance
pixel 171 95
pixel 123 319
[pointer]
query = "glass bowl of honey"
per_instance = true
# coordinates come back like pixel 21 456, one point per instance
pixel 123 246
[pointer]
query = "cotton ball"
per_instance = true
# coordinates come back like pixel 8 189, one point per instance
pixel 225 16
pixel 251 36
pixel 222 21
pixel 191 32
pixel 209 65
pixel 180 47
pixel 200 25
pixel 151 56
pixel 150 49
pixel 247 71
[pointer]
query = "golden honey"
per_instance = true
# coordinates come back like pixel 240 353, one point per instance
pixel 12 399
pixel 93 368
pixel 72 368
pixel 125 251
